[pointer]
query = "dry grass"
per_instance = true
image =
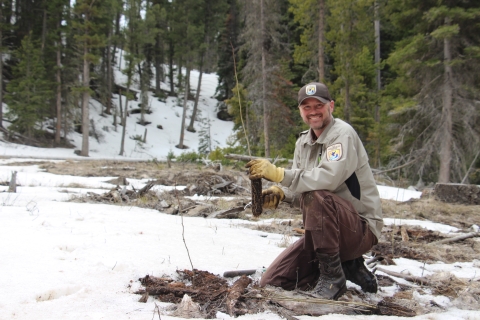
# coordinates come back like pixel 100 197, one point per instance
pixel 428 208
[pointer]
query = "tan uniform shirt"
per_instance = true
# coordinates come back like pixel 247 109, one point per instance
pixel 337 162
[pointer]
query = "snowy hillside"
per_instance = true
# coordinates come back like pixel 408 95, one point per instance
pixel 159 142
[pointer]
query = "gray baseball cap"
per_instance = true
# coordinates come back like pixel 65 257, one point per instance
pixel 315 90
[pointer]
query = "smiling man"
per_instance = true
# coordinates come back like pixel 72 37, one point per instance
pixel 333 184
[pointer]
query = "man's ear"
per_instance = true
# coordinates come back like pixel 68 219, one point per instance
pixel 332 105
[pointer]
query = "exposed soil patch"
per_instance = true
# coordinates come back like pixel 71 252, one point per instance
pixel 415 246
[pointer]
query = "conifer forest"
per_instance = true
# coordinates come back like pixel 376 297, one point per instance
pixel 403 73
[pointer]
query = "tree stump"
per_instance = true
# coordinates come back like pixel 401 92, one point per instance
pixel 458 193
pixel 12 186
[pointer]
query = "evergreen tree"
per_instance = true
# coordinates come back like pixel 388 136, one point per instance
pixel 436 90
pixel 208 18
pixel 28 92
pixel 262 71
pixel 3 27
pixel 56 26
pixel 310 17
pixel 351 37
pixel 88 36
pixel 228 47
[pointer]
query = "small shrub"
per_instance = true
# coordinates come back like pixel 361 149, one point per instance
pixel 190 156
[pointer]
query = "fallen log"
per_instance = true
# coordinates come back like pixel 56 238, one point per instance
pixel 227 214
pixel 457 238
pixel 305 304
pixel 235 292
pixel 414 279
pixel 236 273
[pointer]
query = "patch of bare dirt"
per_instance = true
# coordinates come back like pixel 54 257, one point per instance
pixel 413 243
pixel 428 208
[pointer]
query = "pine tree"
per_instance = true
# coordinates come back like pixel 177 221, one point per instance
pixel 262 45
pixel 436 64
pixel 3 27
pixel 207 18
pixel 310 17
pixel 29 91
pixel 227 48
pixel 88 36
pixel 351 38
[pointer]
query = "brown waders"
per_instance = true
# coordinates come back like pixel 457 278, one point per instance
pixel 333 228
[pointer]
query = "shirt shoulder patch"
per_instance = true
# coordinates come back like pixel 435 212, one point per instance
pixel 334 152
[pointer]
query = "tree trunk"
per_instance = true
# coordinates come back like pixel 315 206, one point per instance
pixel 346 108
pixel 85 102
pixel 1 65
pixel 264 82
pixel 109 73
pixel 376 160
pixel 184 114
pixel 377 57
pixel 124 122
pixel 59 89
pixel 321 41
pixel 197 96
pixel 171 52
pixel 117 33
pixel 446 146
pixel 158 65
pixel 44 26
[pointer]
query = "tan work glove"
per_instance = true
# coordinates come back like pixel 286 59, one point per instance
pixel 272 197
pixel 262 168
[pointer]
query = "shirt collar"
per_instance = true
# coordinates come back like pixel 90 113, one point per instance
pixel 321 140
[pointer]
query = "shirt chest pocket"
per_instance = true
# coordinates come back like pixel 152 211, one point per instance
pixel 312 156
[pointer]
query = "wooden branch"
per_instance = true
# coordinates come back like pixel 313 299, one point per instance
pixel 420 280
pixel 236 273
pixel 177 292
pixel 226 214
pixel 470 168
pixel 235 292
pixel 146 188
pixel 374 259
pixel 299 230
pixel 455 239
pixel 248 158
pixel 396 168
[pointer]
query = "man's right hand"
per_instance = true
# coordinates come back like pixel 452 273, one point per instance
pixel 272 197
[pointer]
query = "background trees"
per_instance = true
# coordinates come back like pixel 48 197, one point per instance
pixel 402 72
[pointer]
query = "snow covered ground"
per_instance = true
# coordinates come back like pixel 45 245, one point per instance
pixel 66 260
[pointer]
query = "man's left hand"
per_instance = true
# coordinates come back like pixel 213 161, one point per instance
pixel 272 197
pixel 262 168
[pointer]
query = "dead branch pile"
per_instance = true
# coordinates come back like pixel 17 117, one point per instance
pixel 200 294
pixel 121 194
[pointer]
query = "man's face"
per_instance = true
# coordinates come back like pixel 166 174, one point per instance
pixel 316 113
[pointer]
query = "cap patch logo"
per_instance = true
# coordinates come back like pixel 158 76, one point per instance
pixel 311 89
pixel 334 152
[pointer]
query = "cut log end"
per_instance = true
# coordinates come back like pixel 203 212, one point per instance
pixel 257 197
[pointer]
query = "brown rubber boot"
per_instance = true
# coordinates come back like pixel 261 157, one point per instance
pixel 331 283
pixel 356 271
